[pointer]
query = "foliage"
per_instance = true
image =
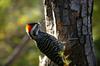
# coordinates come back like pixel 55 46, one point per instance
pixel 96 30
pixel 14 14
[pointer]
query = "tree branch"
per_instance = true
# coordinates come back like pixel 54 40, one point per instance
pixel 17 51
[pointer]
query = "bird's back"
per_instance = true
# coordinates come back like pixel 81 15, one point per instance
pixel 50 47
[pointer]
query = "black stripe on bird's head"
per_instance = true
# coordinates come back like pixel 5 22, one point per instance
pixel 32 29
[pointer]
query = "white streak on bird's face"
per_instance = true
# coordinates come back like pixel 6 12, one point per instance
pixel 32 30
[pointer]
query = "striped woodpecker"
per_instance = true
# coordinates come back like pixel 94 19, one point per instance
pixel 47 44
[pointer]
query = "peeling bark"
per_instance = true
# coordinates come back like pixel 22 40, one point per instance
pixel 70 21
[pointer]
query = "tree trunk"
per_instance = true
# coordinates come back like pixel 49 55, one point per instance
pixel 70 21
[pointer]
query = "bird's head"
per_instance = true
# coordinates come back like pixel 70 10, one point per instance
pixel 32 30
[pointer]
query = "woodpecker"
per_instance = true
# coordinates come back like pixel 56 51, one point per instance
pixel 47 44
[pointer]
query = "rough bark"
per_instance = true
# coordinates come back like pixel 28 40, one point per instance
pixel 70 21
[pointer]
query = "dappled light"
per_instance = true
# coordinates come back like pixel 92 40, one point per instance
pixel 14 15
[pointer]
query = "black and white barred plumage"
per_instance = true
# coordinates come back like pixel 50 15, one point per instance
pixel 47 44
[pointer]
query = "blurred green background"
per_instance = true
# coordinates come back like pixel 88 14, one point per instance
pixel 14 14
